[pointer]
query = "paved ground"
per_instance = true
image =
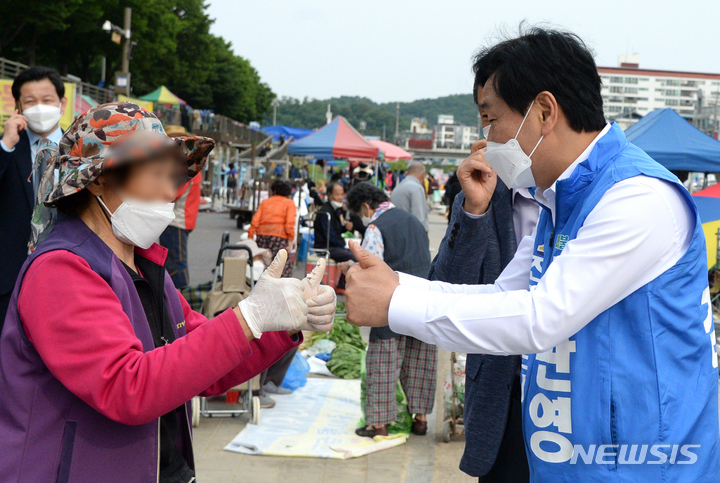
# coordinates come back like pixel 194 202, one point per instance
pixel 422 459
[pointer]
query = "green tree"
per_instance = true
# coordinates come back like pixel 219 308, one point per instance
pixel 174 48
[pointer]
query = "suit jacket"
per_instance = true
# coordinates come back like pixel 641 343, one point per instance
pixel 475 251
pixel 16 207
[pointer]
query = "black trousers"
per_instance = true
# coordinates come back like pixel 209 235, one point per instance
pixel 276 372
pixel 511 465
pixel 341 254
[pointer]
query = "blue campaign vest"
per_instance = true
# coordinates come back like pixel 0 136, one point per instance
pixel 642 373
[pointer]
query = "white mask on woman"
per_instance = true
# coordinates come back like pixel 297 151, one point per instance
pixel 336 204
pixel 140 223
pixel 41 117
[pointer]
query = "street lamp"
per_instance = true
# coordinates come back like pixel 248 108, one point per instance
pixel 122 78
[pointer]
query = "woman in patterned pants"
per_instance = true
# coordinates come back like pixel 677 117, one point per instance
pixel 400 239
pixel 273 224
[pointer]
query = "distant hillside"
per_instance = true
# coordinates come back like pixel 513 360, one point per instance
pixel 310 113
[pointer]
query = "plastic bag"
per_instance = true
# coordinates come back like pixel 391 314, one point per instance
pixel 403 423
pixel 296 375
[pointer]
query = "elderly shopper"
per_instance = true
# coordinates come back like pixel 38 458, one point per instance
pixel 411 194
pixel 273 224
pixel 100 354
pixel 397 237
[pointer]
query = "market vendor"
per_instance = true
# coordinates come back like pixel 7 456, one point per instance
pixel 608 301
pixel 100 355
pixel 340 222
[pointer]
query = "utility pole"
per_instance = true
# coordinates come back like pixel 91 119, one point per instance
pixel 126 48
pixel 383 138
pixel 122 78
pixel 397 123
pixel 275 104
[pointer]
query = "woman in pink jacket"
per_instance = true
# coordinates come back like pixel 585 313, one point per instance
pixel 100 354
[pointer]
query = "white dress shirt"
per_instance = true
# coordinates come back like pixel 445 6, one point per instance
pixel 639 229
pixel 526 212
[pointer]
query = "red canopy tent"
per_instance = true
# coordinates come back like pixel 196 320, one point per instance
pixel 338 140
pixel 391 153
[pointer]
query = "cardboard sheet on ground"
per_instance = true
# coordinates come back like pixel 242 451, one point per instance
pixel 315 421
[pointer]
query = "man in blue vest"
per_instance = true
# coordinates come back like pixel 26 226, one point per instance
pixel 608 302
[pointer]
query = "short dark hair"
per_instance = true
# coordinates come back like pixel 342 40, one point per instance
pixel 331 187
pixel 281 187
pixel 365 193
pixel 34 74
pixel 544 60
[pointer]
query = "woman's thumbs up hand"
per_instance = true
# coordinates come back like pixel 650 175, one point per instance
pixel 321 300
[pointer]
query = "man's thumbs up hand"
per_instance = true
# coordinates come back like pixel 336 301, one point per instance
pixel 370 285
pixel 364 257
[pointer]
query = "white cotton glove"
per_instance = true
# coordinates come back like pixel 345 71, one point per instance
pixel 321 300
pixel 275 303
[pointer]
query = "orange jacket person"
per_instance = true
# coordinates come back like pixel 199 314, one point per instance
pixel 274 221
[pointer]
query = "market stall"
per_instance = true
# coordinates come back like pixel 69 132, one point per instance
pixel 338 140
pixel 675 143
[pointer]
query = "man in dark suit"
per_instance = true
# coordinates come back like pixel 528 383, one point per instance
pixel 494 447
pixel 40 102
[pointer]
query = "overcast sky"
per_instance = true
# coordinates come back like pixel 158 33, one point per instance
pixel 401 50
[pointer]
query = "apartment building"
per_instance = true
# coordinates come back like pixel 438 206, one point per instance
pixel 630 92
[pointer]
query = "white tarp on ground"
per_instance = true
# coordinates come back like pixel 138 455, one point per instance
pixel 316 421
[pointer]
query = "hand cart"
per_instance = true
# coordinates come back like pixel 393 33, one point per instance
pixel 229 286
pixel 453 424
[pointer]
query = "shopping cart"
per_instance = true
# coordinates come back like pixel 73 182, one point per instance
pixel 229 286
pixel 453 424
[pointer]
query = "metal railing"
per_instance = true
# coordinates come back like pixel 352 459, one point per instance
pixel 201 122
pixel 9 69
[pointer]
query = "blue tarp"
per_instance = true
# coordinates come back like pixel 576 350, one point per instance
pixel 287 131
pixel 675 143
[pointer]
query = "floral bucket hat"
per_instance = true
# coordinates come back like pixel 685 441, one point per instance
pixel 105 136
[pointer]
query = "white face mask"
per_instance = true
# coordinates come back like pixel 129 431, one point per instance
pixel 510 162
pixel 336 204
pixel 41 117
pixel 366 219
pixel 139 223
pixel 486 131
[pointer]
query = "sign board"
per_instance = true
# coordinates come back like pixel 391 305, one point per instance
pixel 7 103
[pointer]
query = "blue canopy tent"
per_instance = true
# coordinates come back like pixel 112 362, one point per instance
pixel 675 143
pixel 287 131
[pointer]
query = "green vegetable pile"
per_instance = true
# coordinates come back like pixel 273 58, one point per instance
pixel 346 361
pixel 341 333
